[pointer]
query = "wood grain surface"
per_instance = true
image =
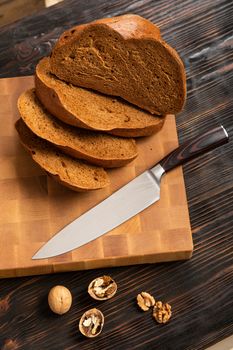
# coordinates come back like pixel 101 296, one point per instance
pixel 200 289
pixel 33 207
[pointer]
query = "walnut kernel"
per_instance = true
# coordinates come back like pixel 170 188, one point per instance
pixel 102 288
pixel 145 301
pixel 162 312
pixel 59 299
pixel 91 323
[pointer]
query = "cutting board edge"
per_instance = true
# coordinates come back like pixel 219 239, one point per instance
pixel 94 264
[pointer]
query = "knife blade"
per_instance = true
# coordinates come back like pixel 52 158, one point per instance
pixel 128 201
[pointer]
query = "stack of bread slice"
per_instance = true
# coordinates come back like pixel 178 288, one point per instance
pixel 95 94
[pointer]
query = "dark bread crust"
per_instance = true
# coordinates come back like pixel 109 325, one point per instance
pixel 41 150
pixel 51 100
pixel 163 69
pixel 52 92
pixel 129 26
pixel 97 148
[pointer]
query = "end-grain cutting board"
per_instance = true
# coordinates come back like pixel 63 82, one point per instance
pixel 33 207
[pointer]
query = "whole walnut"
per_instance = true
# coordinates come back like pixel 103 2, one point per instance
pixel 59 299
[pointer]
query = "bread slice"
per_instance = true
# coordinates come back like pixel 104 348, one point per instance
pixel 123 56
pixel 70 172
pixel 91 110
pixel 97 148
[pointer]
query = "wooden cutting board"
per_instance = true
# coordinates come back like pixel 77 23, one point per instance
pixel 33 207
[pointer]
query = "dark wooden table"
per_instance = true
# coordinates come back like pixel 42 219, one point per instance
pixel 200 290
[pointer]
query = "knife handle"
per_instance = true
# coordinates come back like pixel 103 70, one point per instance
pixel 190 149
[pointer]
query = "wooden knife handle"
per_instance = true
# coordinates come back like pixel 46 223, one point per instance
pixel 201 144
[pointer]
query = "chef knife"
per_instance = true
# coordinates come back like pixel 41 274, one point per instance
pixel 128 201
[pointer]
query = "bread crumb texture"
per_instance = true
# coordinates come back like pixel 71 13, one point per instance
pixel 99 148
pixel 116 56
pixel 82 107
pixel 70 171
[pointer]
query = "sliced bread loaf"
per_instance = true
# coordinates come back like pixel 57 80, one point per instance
pixel 97 148
pixel 123 56
pixel 91 110
pixel 70 172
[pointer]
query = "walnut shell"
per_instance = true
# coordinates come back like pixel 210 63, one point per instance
pixel 102 288
pixel 59 299
pixel 91 323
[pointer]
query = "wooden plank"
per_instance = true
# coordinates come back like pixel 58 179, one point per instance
pixel 33 207
pixel 199 290
pixel 12 10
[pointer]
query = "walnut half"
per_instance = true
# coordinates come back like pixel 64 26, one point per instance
pixel 162 312
pixel 102 288
pixel 145 301
pixel 91 323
